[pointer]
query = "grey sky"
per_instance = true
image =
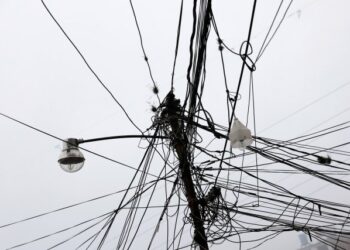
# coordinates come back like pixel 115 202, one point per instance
pixel 304 74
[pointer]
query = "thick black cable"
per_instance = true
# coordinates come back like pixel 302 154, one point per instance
pixel 177 45
pixel 188 74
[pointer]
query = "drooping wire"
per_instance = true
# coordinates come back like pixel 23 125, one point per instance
pixel 104 216
pixel 149 148
pixel 89 67
pixel 62 140
pixel 68 207
pixel 155 87
pixel 240 79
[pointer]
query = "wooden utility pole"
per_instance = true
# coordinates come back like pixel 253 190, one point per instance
pixel 185 168
pixel 180 144
pixel 172 114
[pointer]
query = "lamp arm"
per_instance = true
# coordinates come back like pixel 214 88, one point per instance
pixel 80 141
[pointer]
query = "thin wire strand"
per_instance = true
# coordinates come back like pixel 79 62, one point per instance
pixel 88 65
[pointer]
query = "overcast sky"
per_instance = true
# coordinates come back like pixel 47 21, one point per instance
pixel 302 84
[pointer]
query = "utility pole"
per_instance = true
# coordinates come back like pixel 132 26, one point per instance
pixel 181 135
pixel 172 113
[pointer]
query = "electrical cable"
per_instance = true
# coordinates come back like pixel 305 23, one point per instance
pixel 155 88
pixel 88 65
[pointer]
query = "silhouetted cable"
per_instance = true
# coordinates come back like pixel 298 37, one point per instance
pixel 270 28
pixel 239 81
pixel 305 106
pixel 274 33
pixel 70 206
pixel 177 45
pixel 137 193
pixel 155 88
pixel 57 138
pixel 188 74
pixel 219 37
pixel 89 67
pixel 103 216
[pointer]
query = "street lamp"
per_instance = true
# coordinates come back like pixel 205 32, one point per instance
pixel 71 158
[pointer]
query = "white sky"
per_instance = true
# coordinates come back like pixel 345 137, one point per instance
pixel 45 83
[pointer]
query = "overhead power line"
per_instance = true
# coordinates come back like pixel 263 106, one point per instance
pixel 89 67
